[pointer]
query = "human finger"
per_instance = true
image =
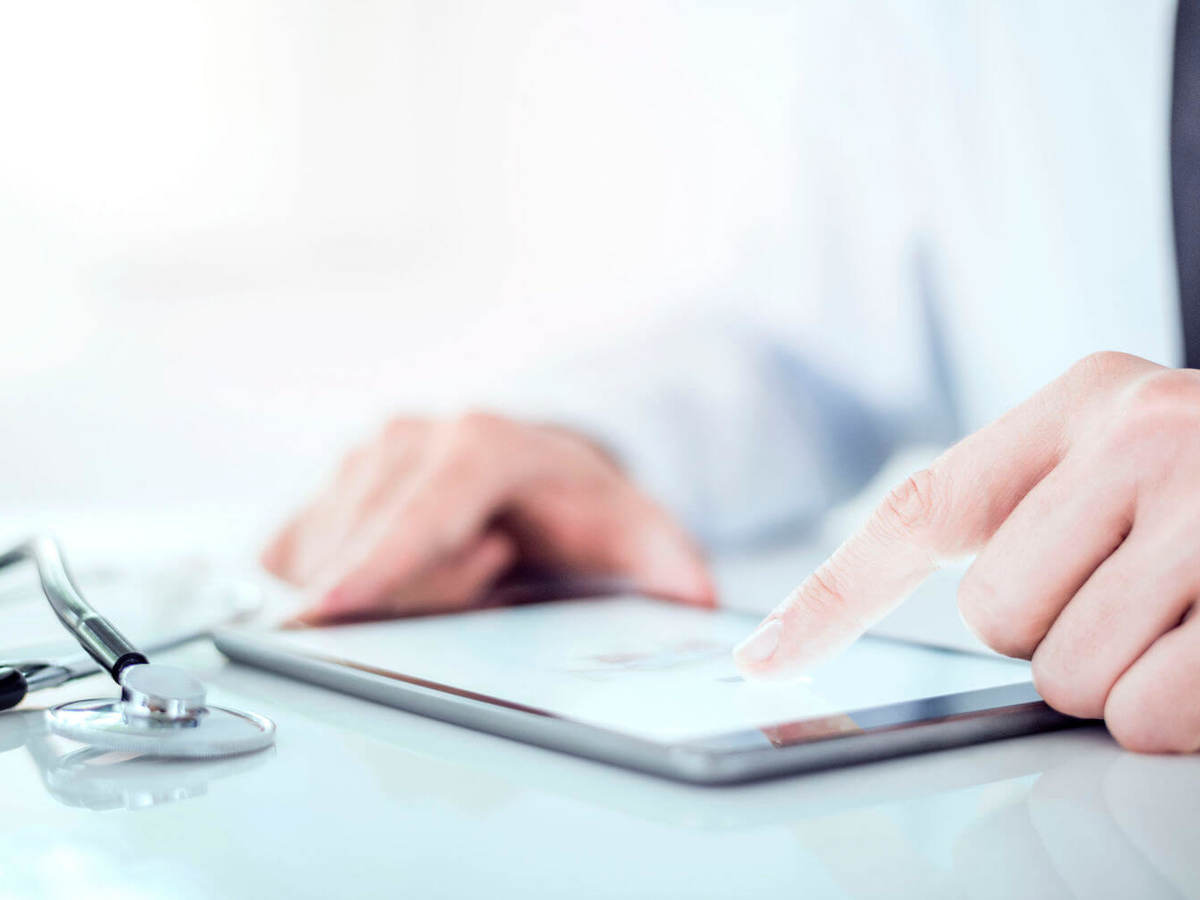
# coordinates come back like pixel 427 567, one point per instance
pixel 1153 708
pixel 1044 552
pixel 1132 599
pixel 464 480
pixel 940 513
pixel 936 514
pixel 448 585
pixel 611 529
pixel 365 477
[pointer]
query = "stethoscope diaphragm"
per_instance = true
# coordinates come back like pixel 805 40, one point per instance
pixel 162 710
pixel 108 724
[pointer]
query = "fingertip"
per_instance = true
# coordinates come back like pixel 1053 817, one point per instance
pixel 670 566
pixel 690 592
pixel 307 619
pixel 791 641
pixel 365 587
pixel 342 600
pixel 754 654
pixel 703 590
pixel 353 598
pixel 272 557
pixel 310 617
pixel 692 587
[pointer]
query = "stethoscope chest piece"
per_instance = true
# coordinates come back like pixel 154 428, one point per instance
pixel 161 712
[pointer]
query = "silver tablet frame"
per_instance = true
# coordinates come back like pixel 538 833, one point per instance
pixel 899 729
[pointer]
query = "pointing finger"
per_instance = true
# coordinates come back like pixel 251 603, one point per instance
pixel 938 514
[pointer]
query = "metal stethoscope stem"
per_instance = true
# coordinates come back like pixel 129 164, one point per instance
pixel 98 636
pixel 162 710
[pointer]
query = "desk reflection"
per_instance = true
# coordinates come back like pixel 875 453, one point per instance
pixel 81 776
pixel 1051 815
pixel 1101 823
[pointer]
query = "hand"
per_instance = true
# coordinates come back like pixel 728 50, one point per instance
pixel 429 514
pixel 1083 504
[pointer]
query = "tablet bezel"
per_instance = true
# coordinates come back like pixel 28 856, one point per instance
pixel 896 729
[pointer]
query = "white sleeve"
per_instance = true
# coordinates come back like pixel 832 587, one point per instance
pixel 730 424
pixel 820 351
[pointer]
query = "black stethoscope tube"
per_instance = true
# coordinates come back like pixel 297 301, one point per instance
pixel 13 687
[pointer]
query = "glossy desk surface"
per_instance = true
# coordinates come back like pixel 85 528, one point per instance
pixel 362 800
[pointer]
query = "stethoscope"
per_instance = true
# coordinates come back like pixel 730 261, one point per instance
pixel 162 710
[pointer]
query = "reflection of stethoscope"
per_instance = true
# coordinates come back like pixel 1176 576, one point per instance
pixel 162 709
pixel 92 778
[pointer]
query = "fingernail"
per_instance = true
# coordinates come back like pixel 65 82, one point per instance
pixel 761 645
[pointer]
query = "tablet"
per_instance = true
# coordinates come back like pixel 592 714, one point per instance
pixel 651 685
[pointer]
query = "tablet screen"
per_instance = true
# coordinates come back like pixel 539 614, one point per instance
pixel 651 669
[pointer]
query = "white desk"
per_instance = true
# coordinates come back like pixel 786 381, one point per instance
pixel 364 800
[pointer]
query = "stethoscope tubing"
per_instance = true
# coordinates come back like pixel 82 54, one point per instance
pixel 39 675
pixel 102 641
pixel 106 649
pixel 43 674
pixel 156 702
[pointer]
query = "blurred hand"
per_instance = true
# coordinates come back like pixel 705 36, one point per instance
pixel 1083 504
pixel 429 514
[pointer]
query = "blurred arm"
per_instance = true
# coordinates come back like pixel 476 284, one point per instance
pixel 733 427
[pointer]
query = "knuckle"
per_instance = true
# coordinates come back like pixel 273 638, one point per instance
pixel 400 441
pixel 1133 724
pixel 985 613
pixel 824 596
pixel 915 506
pixel 1159 410
pixel 1146 719
pixel 455 465
pixel 466 439
pixel 1064 688
pixel 477 425
pixel 477 444
pixel 1165 396
pixel 463 441
pixel 1103 365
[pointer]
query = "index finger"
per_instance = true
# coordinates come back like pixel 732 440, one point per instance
pixel 448 504
pixel 940 513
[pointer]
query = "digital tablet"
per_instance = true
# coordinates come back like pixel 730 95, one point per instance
pixel 651 685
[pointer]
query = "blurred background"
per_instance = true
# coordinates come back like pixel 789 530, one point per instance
pixel 236 235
